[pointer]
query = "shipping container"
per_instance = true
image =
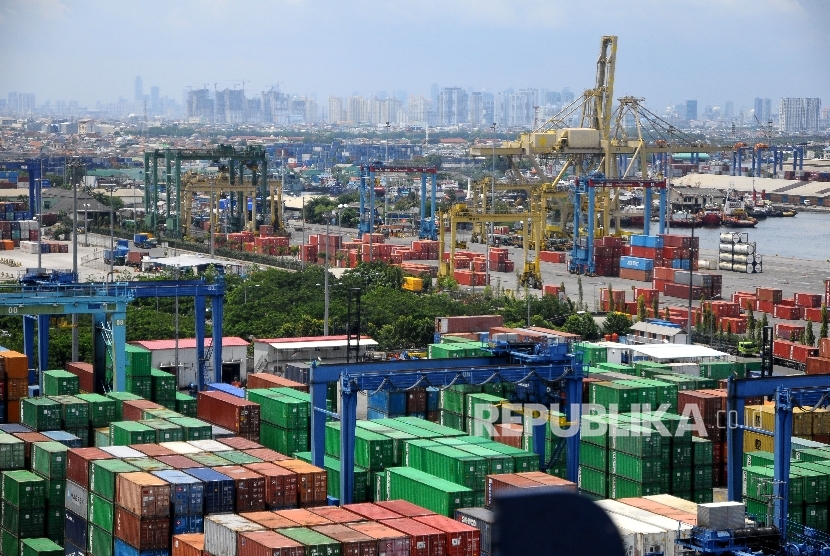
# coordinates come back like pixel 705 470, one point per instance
pixel 194 429
pixel 102 476
pixel 143 494
pixel 74 411
pixel 192 544
pixel 40 414
pixel 311 482
pixel 389 541
pixel 76 530
pixel 76 498
pixel 222 533
pixel 352 542
pixel 23 489
pixel 238 415
pixel 101 409
pixel 433 493
pixel 280 485
pixel 101 513
pixel 249 487
pixel 147 533
pixel 219 489
pixel 267 543
pixel 49 459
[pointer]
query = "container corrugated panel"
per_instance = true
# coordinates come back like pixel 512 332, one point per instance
pixel 194 429
pixel 139 360
pixel 165 430
pixel 49 459
pixel 101 513
pixel 352 542
pixel 186 405
pixel 240 458
pixel 143 494
pixel 311 481
pixel 221 533
pixel 424 540
pixel 269 520
pixel 178 462
pixel 100 542
pixel 316 543
pixel 29 522
pixel 23 489
pixel 148 533
pixel 206 459
pixel 239 443
pixel 124 433
pixel 75 529
pixel 303 517
pixel 438 495
pixel 336 514
pixel 268 543
pixel 101 409
pixel 462 539
pixel 76 498
pixel 40 547
pixel 361 491
pixel 182 524
pixel 280 484
pixel 593 456
pixel 187 493
pixel 102 476
pixel 398 438
pixel 188 545
pixel 643 470
pixel 276 408
pixel 78 462
pixel 40 414
pixel 182 448
pixel 147 464
pixel 120 398
pixel 250 488
pixel 236 414
pixel 389 541
pixel 593 481
pixel 210 445
pixel 220 491
pixel 74 411
pixel 372 451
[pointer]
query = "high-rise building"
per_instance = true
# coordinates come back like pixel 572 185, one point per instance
pixel 155 106
pixel 476 109
pixel 335 110
pixel 798 114
pixel 453 106
pixel 274 107
pixel 199 104
pixel 763 110
pixel 728 109
pixel 139 89
pixel 516 108
pixel 357 110
pixel 419 109
pixel 567 96
pixel 691 110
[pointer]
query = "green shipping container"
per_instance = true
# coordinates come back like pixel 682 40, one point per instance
pixel 594 429
pixel 717 370
pixel 74 411
pixel 186 405
pixel 815 516
pixel 397 437
pixel 758 459
pixel 49 459
pixel 59 383
pixel 55 492
pixel 608 394
pixel 649 369
pixel 164 386
pixel 100 543
pixel 815 479
pixel 101 512
pixel 702 478
pixel 239 458
pixel 120 398
pixel 361 492
pixel 12 452
pixel 23 489
pixel 681 480
pixel 702 451
pixel 616 368
pixel 637 441
pixel 497 463
pixel 635 468
pixel 40 414
pixel 372 451
pixel 101 409
pixel 427 491
pixel 435 429
pixel 160 414
pixel 666 393
pixel 646 394
pixel 593 456
pixel 284 441
pixel 55 519
pixel 283 411
pixel 484 407
pixel 681 454
pixel 165 430
pixel 451 420
pixel 9 544
pixel 126 433
pixel 148 464
pixel 379 480
pixel 704 497
pixel 140 386
pixel 40 547
pixel 139 361
pixel 316 544
pixel 757 484
pixel 621 487
pixel 593 481
pixel 206 459
pixel 523 461
pixel 681 382
pixel 194 429
pixel 811 454
pixel 102 476
pixel 26 522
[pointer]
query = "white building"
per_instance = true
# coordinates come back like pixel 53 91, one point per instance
pixel 798 114
pixel 165 353
pixel 272 354
pixel 651 333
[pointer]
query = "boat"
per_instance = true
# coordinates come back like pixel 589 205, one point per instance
pixel 632 215
pixel 734 214
pixel 711 218
pixel 683 219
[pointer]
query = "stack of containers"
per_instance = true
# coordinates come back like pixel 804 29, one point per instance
pixel 680 252
pixel 451 464
pixel 77 497
pixel 612 300
pixel 16 373
pixel 186 405
pixel 85 374
pixel 102 494
pixel 60 383
pixel 312 488
pixel 592 477
pixel 187 495
pixel 645 254
pixel 284 418
pixel 235 414
pixel 74 416
pixel 607 253
pixel 737 254
pixel 142 511
pixel 49 462
pixel 164 388
pixel 138 369
pixel 514 481
pixel 23 509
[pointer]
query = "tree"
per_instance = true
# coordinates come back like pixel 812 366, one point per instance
pixel 667 314
pixel 617 323
pixel 764 324
pixel 641 308
pixel 750 324
pixel 582 324
pixel 655 307
pixel 809 336
pixel 579 287
pixel 611 305
pixel 823 331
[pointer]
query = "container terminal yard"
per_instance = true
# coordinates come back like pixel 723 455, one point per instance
pixel 680 448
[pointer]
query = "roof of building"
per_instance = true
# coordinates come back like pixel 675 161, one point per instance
pixel 61 200
pixel 675 351
pixel 746 184
pixel 188 343
pixel 654 328
pixel 313 342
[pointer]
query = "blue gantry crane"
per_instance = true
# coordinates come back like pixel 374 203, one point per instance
pixel 427 228
pixel 582 252
pixel 549 373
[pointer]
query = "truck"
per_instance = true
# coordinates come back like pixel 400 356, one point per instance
pixel 134 257
pixel 144 241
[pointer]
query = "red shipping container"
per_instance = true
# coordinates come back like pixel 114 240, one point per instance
pixel 824 347
pixel 659 284
pixel 390 542
pixel 769 294
pixel 86 377
pixel 812 314
pixel 790 332
pixel 239 443
pixel 787 302
pixel 808 300
pixel 352 543
pixel 801 352
pixel 424 540
pixel 336 514
pixel 16 365
pixel 708 406
pixel 764 306
pixel 152 450
pixel 462 539
pixel 552 256
pixel 682 291
pixel 311 482
pixel 303 517
pixel 404 508
pixel 280 485
pixel 227 411
pixel 782 349
pixel 189 544
pixel 786 312
pixel 78 461
pixel 664 273
pixel 368 510
pixel 142 494
pixel 509 434
pixel 267 454
pixel 149 533
pixel 735 325
pixel 550 289
pixel 16 389
pixel 638 275
pixel 133 410
pixel 178 462
pixel 269 520
pixel 818 366
pixel 648 294
pixel 250 487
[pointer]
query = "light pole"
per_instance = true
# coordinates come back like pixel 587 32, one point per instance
pixel 112 236
pixel 328 217
pixel 340 208
pixel 86 224
pixel 386 192
pixel 245 291
pixel 40 215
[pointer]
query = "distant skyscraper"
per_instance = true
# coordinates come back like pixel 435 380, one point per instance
pixel 691 110
pixel 476 109
pixel 567 96
pixel 155 106
pixel 335 110
pixel 453 106
pixel 419 110
pixel 798 114
pixel 728 109
pixel 139 89
pixel 763 110
pixel 199 104
pixel 433 94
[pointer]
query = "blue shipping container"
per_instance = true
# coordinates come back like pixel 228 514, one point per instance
pixel 636 263
pixel 227 389
pixel 220 490
pixel 123 549
pixel 219 432
pixel 646 241
pixel 391 402
pixel 75 528
pixel 182 524
pixel 375 414
pixel 67 439
pixel 69 549
pixel 187 493
pixel 433 398
pixel 12 428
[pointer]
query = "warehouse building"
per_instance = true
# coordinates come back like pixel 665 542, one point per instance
pixel 272 354
pixel 165 354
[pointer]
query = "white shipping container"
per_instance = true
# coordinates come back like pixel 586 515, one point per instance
pixel 688 369
pixel 123 452
pixel 209 445
pixel 674 502
pixel 671 525
pixel 640 538
pixel 76 499
pixel 222 530
pixel 721 515
pixel 182 448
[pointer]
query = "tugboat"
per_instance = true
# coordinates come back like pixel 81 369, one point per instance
pixel 734 214
pixel 683 219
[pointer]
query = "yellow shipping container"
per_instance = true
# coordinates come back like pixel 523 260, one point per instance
pixel 413 284
pixel 821 421
pixel 754 442
pixel 802 422
pixel 760 417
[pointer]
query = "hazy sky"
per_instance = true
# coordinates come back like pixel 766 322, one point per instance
pixel 669 50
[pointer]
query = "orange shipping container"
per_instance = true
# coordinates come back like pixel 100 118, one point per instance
pixel 189 544
pixel 143 494
pixel 15 364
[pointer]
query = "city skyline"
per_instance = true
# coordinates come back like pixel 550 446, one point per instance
pixel 466 44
